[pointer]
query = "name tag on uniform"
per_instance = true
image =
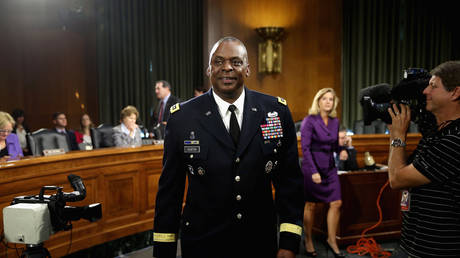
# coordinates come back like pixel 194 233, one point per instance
pixel 191 149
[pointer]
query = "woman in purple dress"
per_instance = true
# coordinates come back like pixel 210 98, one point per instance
pixel 319 140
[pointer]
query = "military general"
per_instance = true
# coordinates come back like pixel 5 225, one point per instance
pixel 235 146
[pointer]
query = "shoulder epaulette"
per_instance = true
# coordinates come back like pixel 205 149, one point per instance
pixel 174 108
pixel 282 101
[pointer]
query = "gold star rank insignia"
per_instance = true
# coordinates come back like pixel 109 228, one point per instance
pixel 282 101
pixel 174 108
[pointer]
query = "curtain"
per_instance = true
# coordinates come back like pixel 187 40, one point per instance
pixel 140 42
pixel 381 38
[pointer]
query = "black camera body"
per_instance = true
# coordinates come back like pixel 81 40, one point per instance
pixel 375 100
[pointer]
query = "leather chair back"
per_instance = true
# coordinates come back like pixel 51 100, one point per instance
pixel 101 136
pixel 45 139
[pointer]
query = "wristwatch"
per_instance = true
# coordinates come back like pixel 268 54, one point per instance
pixel 397 142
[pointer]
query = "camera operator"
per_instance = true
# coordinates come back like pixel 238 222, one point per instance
pixel 431 176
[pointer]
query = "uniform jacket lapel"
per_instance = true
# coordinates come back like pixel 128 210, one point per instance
pixel 252 117
pixel 212 122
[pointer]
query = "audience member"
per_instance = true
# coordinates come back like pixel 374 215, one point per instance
pixel 127 134
pixel 319 133
pixel 60 124
pixel 9 143
pixel 21 129
pixel 345 159
pixel 83 135
pixel 198 92
pixel 165 101
pixel 431 176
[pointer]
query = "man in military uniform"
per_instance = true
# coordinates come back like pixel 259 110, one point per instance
pixel 233 144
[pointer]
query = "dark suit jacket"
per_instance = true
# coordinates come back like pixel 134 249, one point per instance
pixel 350 163
pixel 229 210
pixel 171 101
pixel 71 139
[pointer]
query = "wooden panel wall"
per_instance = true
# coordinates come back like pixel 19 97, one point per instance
pixel 123 180
pixel 48 54
pixel 311 48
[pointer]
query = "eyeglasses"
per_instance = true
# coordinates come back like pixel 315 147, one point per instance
pixel 4 131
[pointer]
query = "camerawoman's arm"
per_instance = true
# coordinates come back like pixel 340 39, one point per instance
pixel 400 174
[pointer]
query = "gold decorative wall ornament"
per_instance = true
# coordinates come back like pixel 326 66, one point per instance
pixel 270 50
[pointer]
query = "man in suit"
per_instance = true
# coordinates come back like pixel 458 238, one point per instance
pixel 346 159
pixel 165 101
pixel 233 144
pixel 60 124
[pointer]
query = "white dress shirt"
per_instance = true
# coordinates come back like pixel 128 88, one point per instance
pixel 225 113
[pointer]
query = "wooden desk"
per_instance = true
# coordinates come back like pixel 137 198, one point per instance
pixel 123 180
pixel 377 144
pixel 359 208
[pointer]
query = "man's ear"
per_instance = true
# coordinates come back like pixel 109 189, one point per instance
pixel 248 71
pixel 456 93
pixel 208 71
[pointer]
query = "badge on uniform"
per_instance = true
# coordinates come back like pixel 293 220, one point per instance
pixel 268 166
pixel 405 200
pixel 272 129
pixel 192 145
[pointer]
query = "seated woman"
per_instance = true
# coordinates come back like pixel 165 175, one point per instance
pixel 9 143
pixel 83 135
pixel 127 134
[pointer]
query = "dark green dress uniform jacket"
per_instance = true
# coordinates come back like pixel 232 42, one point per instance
pixel 229 209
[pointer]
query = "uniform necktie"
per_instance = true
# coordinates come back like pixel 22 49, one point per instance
pixel 234 127
pixel 160 113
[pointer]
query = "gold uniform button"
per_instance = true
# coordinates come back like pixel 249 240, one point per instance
pixel 237 160
pixel 187 223
pixel 238 197
pixel 239 216
pixel 191 156
pixel 275 150
pixel 237 178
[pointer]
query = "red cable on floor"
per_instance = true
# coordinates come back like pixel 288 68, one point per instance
pixel 369 245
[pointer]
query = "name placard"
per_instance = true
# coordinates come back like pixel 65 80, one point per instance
pixel 53 152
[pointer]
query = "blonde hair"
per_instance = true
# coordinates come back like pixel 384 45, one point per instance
pixel 6 118
pixel 127 111
pixel 314 109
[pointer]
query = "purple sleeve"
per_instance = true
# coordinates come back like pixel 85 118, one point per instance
pixel 306 135
pixel 335 146
pixel 14 148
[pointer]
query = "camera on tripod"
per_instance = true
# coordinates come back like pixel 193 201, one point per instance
pixel 32 219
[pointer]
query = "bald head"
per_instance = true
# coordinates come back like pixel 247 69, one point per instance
pixel 225 39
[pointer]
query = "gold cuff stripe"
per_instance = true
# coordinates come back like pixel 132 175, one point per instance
pixel 293 228
pixel 164 237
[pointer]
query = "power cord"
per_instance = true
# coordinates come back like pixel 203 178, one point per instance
pixel 369 245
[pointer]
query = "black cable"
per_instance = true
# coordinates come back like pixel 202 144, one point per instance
pixel 70 244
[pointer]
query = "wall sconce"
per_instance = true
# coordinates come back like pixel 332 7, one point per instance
pixel 270 49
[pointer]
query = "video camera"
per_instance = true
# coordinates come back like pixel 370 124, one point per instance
pixel 31 220
pixel 375 100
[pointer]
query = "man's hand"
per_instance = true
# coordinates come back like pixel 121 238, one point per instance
pixel 316 177
pixel 284 253
pixel 343 155
pixel 399 121
pixel 348 141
